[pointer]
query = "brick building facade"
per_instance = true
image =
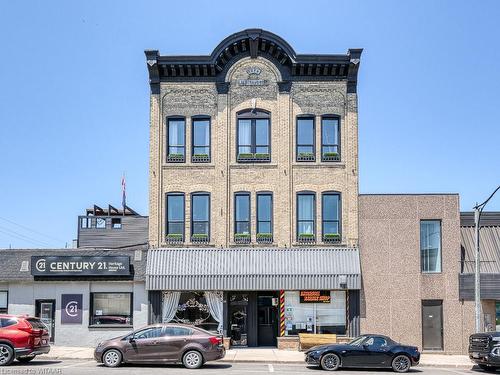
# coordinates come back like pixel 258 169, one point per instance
pixel 255 147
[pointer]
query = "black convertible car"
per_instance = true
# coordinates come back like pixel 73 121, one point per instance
pixel 372 351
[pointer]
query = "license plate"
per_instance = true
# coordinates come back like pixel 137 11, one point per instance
pixel 44 342
pixel 475 355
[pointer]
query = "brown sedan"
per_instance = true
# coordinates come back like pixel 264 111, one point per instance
pixel 162 343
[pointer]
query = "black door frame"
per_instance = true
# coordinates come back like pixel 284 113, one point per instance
pixel 433 302
pixel 38 306
pixel 252 315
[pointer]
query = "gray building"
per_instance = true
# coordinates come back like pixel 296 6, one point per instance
pixel 489 244
pixel 111 228
pixel 83 296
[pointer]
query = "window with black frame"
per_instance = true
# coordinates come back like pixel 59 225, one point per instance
pixel 253 143
pixel 111 309
pixel 201 140
pixel 430 245
pixel 4 301
pixel 176 140
pixel 331 217
pixel 330 150
pixel 305 139
pixel 264 217
pixel 242 218
pixel 200 217
pixel 306 208
pixel 175 217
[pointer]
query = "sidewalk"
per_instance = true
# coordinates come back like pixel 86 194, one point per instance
pixel 266 355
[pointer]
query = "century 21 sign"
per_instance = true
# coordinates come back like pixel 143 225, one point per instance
pixel 80 265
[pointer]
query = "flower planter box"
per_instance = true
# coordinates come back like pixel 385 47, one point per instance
pixel 253 158
pixel 330 156
pixel 200 158
pixel 175 158
pixel 306 238
pixel 305 156
pixel 332 238
pixel 265 238
pixel 175 238
pixel 242 238
pixel 199 239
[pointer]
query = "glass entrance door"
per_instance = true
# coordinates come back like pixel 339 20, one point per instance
pixel 432 324
pixel 267 313
pixel 238 309
pixel 45 310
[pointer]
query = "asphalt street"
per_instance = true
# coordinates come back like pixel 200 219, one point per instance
pixel 84 367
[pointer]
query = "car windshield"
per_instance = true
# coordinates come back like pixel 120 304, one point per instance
pixel 357 341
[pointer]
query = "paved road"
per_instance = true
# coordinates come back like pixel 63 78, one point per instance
pixel 85 367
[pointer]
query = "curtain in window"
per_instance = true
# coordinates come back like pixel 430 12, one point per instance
pixel 245 136
pixel 306 214
pixel 214 302
pixel 170 303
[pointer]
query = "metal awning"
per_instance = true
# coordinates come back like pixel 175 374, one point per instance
pixel 253 269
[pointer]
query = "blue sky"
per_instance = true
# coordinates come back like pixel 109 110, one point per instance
pixel 74 96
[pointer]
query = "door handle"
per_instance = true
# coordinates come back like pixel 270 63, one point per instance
pixel 152 343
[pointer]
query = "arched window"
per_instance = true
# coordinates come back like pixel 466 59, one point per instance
pixel 176 140
pixel 242 217
pixel 330 138
pixel 175 217
pixel 306 216
pixel 200 135
pixel 253 137
pixel 331 217
pixel 200 217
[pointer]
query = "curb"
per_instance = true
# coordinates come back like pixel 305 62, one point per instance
pixel 432 365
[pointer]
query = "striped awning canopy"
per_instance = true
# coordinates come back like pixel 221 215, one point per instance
pixel 253 269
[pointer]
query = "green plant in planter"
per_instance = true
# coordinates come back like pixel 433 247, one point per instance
pixel 331 154
pixel 306 155
pixel 306 236
pixel 246 156
pixel 264 236
pixel 261 156
pixel 201 156
pixel 174 237
pixel 199 236
pixel 331 236
pixel 176 156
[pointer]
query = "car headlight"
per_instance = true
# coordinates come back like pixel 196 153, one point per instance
pixel 495 351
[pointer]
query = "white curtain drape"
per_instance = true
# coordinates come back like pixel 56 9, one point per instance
pixel 245 132
pixel 170 303
pixel 214 302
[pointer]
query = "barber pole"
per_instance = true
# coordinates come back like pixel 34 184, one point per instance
pixel 282 313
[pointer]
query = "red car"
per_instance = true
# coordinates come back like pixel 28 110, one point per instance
pixel 22 338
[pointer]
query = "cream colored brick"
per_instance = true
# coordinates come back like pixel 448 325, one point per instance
pixel 283 176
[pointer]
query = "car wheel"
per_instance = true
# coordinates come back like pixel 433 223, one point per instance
pixel 6 355
pixel 25 359
pixel 192 359
pixel 112 358
pixel 401 363
pixel 330 362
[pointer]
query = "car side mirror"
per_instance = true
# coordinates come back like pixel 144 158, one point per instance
pixel 365 346
pixel 131 339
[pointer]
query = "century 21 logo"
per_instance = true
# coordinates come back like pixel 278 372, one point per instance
pixel 40 265
pixel 72 308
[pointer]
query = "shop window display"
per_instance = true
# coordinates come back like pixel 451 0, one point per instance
pixel 307 317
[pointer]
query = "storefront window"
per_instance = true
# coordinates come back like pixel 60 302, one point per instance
pixel 323 317
pixel 497 306
pixel 3 302
pixel 111 308
pixel 194 309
